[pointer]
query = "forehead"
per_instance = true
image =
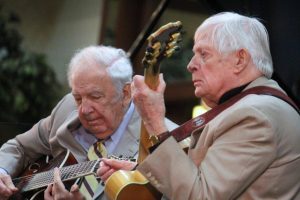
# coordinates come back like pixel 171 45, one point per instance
pixel 203 39
pixel 203 44
pixel 91 77
pixel 87 68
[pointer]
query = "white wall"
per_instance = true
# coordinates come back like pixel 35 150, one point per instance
pixel 58 28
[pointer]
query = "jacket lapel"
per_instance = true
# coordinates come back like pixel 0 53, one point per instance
pixel 129 143
pixel 66 139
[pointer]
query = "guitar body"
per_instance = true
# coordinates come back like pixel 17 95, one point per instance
pixel 124 185
pixel 41 165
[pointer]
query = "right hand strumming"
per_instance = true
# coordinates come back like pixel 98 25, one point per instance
pixel 7 187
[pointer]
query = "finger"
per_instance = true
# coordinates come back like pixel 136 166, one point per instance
pixel 74 188
pixel 162 84
pixel 113 163
pixel 8 182
pixel 58 184
pixel 75 192
pixel 138 78
pixel 134 85
pixel 103 169
pixel 119 164
pixel 138 82
pixel 107 175
pixel 4 190
pixel 48 193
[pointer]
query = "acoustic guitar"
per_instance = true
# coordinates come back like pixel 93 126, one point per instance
pixel 40 174
pixel 124 185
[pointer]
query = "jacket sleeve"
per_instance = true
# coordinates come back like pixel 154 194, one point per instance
pixel 25 148
pixel 234 154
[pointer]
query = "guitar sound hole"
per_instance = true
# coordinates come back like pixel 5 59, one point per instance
pixel 34 167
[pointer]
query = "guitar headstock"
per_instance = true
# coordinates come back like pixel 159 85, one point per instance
pixel 162 44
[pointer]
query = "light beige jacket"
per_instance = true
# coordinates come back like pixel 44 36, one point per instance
pixel 249 151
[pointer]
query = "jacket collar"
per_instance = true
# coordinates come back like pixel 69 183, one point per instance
pixel 257 82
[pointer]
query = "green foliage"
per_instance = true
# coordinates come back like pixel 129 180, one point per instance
pixel 28 85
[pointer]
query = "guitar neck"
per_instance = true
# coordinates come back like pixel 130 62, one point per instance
pixel 161 44
pixel 42 179
pixel 151 74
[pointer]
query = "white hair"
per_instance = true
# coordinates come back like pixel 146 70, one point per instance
pixel 231 31
pixel 115 61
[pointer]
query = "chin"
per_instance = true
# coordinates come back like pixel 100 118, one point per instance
pixel 198 93
pixel 103 135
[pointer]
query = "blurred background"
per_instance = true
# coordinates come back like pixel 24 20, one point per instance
pixel 38 38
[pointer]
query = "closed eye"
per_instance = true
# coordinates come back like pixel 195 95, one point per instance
pixel 78 100
pixel 97 97
pixel 203 54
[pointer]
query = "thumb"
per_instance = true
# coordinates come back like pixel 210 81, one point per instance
pixel 76 192
pixel 162 84
pixel 74 188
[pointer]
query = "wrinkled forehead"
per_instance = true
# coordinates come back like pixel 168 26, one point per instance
pixel 204 32
pixel 203 36
pixel 86 69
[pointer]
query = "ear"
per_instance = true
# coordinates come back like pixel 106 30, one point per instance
pixel 242 61
pixel 126 94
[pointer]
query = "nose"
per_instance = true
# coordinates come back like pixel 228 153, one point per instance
pixel 191 67
pixel 86 108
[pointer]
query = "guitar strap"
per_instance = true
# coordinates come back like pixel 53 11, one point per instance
pixel 185 130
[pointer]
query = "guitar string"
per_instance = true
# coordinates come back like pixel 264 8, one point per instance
pixel 44 178
pixel 30 176
pixel 38 182
pixel 64 173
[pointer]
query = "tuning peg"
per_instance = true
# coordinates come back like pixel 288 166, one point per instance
pixel 148 56
pixel 149 49
pixel 179 39
pixel 169 52
pixel 177 48
pixel 175 36
pixel 171 44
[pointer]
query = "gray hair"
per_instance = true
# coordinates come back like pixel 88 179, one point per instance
pixel 115 61
pixel 231 32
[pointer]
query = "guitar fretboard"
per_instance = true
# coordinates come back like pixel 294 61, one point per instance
pixel 43 179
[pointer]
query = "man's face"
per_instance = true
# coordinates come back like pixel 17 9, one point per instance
pixel 211 70
pixel 100 108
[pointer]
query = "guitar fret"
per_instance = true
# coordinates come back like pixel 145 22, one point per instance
pixel 43 179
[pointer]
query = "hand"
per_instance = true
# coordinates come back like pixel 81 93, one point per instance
pixel 57 190
pixel 7 187
pixel 150 104
pixel 109 166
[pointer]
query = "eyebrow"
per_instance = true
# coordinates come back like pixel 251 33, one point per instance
pixel 197 48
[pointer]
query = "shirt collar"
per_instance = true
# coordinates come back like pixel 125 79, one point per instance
pixel 231 93
pixel 121 129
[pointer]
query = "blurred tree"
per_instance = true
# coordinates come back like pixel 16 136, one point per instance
pixel 28 85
